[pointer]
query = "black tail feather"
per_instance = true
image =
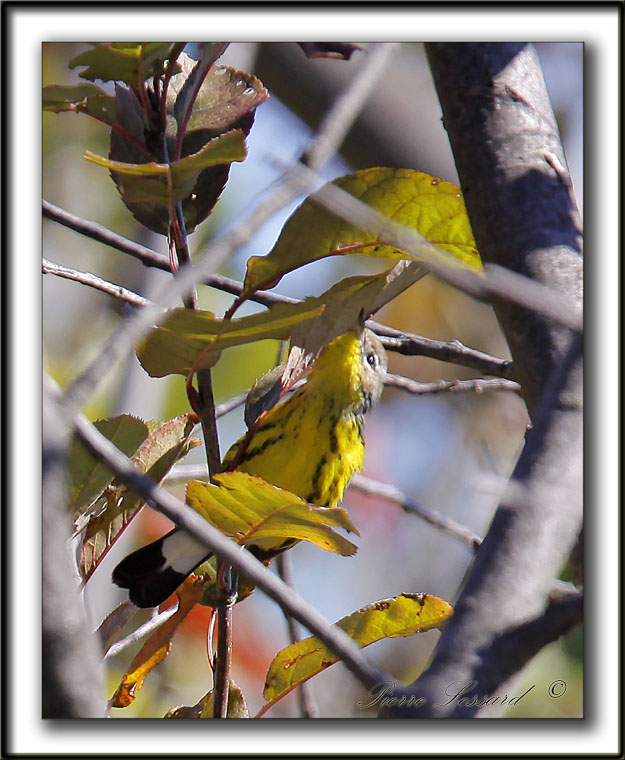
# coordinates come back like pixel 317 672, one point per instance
pixel 148 575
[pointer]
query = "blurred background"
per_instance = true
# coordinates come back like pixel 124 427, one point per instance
pixel 446 451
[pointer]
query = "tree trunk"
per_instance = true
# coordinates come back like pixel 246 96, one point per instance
pixel 514 179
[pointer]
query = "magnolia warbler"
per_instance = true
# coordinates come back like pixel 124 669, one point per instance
pixel 311 444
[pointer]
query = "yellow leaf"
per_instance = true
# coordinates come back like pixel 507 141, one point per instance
pixel 149 182
pixel 249 510
pixel 345 305
pixel 174 346
pixel 432 207
pixel 133 679
pixel 402 615
pixel 158 646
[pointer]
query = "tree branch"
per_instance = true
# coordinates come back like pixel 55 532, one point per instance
pixel 102 234
pixel 71 679
pixel 505 140
pixel 478 385
pixel 496 109
pixel 411 507
pixel 151 625
pixel 532 533
pixel 452 351
pixel 93 281
pixel 511 650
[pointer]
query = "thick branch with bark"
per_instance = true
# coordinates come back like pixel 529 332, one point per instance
pixel 516 187
pixel 511 168
pixel 71 686
pixel 533 531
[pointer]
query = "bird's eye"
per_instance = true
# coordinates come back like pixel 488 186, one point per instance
pixel 372 358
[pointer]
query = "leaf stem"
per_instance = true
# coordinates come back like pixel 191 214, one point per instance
pixel 120 130
pixel 169 72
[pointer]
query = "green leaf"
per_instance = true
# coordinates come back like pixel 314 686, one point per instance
pixel 204 708
pixel 80 98
pixel 88 477
pixel 148 182
pixel 429 205
pixel 124 61
pixel 249 510
pixel 174 346
pixel 163 444
pixel 402 615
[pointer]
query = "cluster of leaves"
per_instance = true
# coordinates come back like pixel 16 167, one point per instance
pixel 176 126
pixel 101 506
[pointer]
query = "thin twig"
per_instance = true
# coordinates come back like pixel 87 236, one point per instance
pixel 152 624
pixel 208 417
pixel 410 506
pixel 453 351
pixel 228 406
pixel 516 646
pixel 478 385
pixel 93 281
pixel 103 235
pixel 180 473
pixel 227 594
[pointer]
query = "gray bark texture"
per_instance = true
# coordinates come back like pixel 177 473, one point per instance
pixel 512 172
pixel 71 676
pixel 513 175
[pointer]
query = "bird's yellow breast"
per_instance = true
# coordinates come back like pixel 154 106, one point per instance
pixel 312 443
